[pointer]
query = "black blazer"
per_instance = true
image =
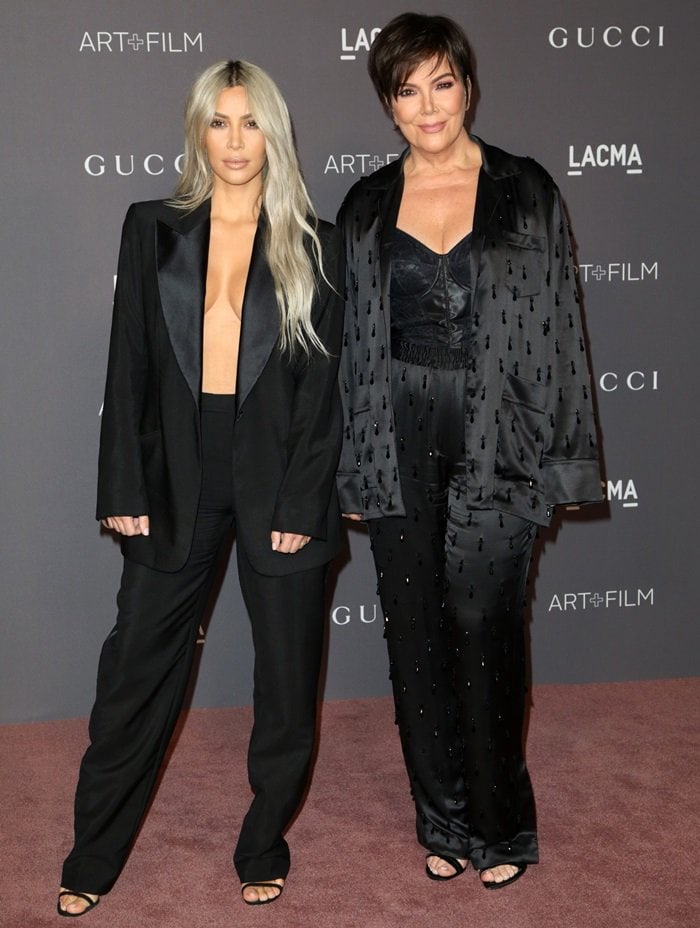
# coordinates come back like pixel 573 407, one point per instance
pixel 529 432
pixel 288 422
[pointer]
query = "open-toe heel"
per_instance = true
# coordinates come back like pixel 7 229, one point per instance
pixel 458 867
pixel 492 884
pixel 278 886
pixel 91 903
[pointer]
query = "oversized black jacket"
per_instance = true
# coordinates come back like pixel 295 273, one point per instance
pixel 530 434
pixel 287 432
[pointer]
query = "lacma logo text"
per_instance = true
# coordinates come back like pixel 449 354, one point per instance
pixel 605 156
pixel 623 491
pixel 353 41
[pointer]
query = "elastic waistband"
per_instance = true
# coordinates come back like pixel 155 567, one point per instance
pixel 443 357
pixel 218 402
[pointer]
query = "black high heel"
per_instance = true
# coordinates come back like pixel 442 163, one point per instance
pixel 91 903
pixel 452 861
pixel 278 886
pixel 492 884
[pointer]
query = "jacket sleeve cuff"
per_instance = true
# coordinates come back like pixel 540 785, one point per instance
pixel 350 493
pixel 575 481
pixel 298 520
pixel 121 505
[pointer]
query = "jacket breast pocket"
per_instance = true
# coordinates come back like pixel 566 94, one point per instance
pixel 523 266
pixel 520 432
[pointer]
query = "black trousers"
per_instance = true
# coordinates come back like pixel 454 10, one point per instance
pixel 452 584
pixel 142 678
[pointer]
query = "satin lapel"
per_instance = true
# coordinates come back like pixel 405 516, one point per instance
pixel 260 319
pixel 388 213
pixel 182 252
pixel 488 195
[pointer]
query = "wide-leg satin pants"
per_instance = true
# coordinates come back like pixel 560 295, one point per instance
pixel 143 674
pixel 452 584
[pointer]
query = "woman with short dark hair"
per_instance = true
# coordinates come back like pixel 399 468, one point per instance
pixel 468 417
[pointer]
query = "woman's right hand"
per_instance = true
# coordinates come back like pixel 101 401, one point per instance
pixel 127 525
pixel 353 516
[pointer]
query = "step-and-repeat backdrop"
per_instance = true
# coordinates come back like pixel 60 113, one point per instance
pixel 602 93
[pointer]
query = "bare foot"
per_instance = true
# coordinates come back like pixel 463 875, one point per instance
pixel 75 905
pixel 498 874
pixel 440 867
pixel 255 894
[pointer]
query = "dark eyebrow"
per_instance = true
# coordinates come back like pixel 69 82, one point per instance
pixel 434 79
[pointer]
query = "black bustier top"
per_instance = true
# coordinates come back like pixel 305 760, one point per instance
pixel 430 292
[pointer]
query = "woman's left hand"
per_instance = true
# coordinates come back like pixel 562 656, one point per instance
pixel 288 542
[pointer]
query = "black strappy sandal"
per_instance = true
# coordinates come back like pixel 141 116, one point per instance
pixel 492 884
pixel 452 861
pixel 91 903
pixel 278 886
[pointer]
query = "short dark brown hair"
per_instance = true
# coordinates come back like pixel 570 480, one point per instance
pixel 409 40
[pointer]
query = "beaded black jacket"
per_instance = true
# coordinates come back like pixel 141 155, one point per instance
pixel 530 433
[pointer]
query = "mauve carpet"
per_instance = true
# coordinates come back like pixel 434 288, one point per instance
pixel 615 769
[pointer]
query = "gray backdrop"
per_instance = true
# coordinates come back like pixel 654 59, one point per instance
pixel 603 93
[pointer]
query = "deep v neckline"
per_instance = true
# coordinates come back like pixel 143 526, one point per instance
pixel 437 254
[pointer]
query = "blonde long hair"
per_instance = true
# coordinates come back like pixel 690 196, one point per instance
pixel 285 200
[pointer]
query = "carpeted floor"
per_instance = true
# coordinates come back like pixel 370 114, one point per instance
pixel 615 769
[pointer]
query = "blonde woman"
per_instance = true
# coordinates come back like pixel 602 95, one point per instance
pixel 221 410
